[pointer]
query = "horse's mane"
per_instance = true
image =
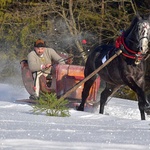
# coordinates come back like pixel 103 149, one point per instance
pixel 134 21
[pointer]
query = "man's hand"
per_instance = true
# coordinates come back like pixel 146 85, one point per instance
pixel 47 66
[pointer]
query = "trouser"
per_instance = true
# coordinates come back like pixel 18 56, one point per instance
pixel 37 81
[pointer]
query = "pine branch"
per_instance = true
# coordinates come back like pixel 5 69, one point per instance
pixel 51 106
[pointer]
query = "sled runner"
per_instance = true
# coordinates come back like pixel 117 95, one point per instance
pixel 29 101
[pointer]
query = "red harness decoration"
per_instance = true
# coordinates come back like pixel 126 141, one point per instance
pixel 120 41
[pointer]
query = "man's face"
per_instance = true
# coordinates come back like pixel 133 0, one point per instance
pixel 39 50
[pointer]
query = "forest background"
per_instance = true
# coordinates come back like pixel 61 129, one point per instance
pixel 70 26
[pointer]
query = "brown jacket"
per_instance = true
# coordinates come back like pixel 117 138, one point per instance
pixel 49 57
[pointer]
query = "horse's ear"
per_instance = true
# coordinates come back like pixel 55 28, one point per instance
pixel 138 16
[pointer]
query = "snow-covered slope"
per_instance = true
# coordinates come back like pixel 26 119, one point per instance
pixel 119 129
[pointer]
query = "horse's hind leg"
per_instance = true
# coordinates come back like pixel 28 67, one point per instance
pixel 109 89
pixel 85 92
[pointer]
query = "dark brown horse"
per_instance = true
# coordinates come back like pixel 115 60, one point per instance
pixel 126 69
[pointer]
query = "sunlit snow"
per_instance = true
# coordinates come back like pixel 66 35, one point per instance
pixel 119 129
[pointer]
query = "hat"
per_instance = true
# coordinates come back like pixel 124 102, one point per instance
pixel 39 43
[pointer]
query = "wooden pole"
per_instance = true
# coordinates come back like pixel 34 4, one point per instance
pixel 91 75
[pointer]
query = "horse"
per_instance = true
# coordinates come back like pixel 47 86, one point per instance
pixel 128 68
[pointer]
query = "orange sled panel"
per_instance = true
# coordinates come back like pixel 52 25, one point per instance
pixel 68 76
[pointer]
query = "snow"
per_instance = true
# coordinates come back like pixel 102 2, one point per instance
pixel 119 129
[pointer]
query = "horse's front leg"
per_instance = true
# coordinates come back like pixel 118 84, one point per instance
pixel 139 89
pixel 144 106
pixel 109 90
pixel 141 105
pixel 85 92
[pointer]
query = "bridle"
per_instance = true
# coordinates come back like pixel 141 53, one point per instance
pixel 129 53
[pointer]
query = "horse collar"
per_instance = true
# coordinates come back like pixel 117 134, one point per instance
pixel 128 52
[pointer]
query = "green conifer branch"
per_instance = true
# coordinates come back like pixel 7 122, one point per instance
pixel 51 106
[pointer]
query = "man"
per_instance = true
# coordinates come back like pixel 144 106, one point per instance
pixel 40 63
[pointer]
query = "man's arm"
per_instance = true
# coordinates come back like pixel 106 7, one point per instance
pixel 34 65
pixel 56 57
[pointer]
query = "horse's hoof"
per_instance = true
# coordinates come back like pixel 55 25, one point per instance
pixel 79 108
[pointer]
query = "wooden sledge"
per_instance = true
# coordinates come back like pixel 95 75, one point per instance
pixel 62 79
pixel 27 77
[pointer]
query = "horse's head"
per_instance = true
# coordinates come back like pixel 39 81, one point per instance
pixel 143 33
pixel 137 36
pixel 135 39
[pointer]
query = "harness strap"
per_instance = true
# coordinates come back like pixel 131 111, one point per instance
pixel 121 44
pixel 132 57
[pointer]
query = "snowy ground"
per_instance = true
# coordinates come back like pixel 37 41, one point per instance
pixel 119 129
